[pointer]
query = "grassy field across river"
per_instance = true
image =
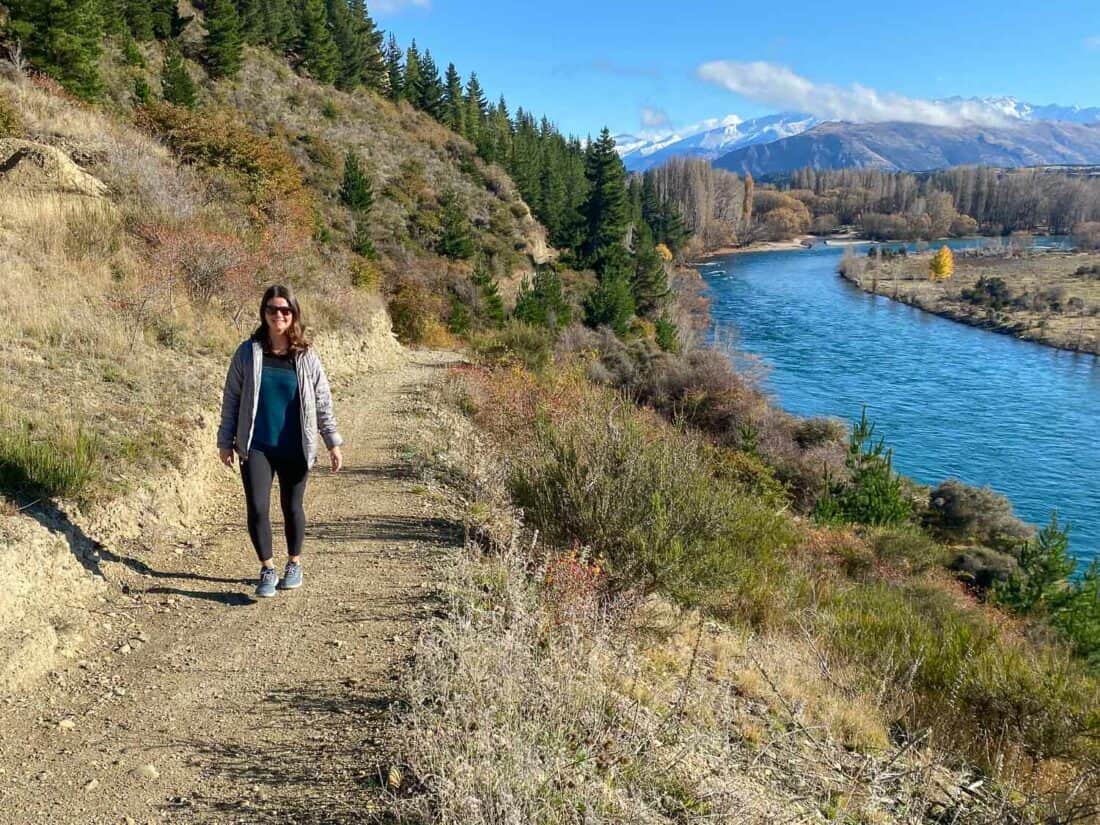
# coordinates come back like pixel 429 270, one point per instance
pixel 1050 297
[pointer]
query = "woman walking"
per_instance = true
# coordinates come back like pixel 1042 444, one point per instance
pixel 275 400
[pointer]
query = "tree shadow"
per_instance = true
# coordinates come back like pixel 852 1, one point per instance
pixel 440 531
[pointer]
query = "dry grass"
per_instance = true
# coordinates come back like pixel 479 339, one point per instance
pixel 520 710
pixel 1075 326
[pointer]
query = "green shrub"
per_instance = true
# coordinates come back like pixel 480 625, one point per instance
pixel 517 342
pixel 51 463
pixel 908 548
pixel 982 567
pixel 651 508
pixel 962 681
pixel 541 302
pixel 10 123
pixel 1040 580
pixel 668 335
pixel 875 493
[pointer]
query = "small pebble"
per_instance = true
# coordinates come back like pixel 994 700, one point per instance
pixel 148 771
pixel 66 724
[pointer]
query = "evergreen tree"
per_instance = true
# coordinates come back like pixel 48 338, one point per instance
pixel 63 38
pixel 320 57
pixel 139 19
pixel 166 19
pixel 476 109
pixel 456 240
pixel 412 82
pixel 372 65
pixel 649 284
pixel 490 304
pixel 251 14
pixel 280 24
pixel 175 83
pixel 431 95
pixel 606 211
pixel 612 302
pixel 223 45
pixel 454 106
pixel 394 70
pixel 541 301
pixel 356 191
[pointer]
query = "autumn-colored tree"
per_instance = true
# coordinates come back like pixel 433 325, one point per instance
pixel 942 265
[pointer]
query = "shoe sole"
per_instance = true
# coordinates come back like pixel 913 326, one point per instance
pixel 265 595
pixel 282 586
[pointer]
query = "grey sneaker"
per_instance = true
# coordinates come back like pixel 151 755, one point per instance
pixel 268 578
pixel 292 578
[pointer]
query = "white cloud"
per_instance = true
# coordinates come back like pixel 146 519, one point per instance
pixel 654 118
pixel 393 6
pixel 778 86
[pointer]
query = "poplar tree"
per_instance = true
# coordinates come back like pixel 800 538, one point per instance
pixel 222 46
pixel 176 84
pixel 320 57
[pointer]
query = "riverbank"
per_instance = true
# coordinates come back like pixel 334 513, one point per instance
pixel 1050 298
pixel 801 242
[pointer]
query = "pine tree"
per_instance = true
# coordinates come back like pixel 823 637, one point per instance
pixel 63 38
pixel 320 57
pixel 175 83
pixel 223 46
pixel 476 109
pixel 431 96
pixel 490 303
pixel 456 240
pixel 372 65
pixel 166 19
pixel 356 191
pixel 541 302
pixel 606 211
pixel 412 82
pixel 139 18
pixel 252 21
pixel 649 282
pixel 612 302
pixel 454 106
pixel 394 70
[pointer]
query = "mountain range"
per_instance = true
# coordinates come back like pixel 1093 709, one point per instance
pixel 1025 135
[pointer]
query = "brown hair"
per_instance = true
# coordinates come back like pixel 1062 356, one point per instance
pixel 299 340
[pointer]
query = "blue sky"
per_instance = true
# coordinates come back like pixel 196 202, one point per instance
pixel 587 64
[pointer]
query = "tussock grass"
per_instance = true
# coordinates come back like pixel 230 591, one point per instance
pixel 35 461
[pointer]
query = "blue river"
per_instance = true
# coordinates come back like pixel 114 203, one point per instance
pixel 952 400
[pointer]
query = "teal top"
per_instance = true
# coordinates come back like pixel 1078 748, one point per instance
pixel 278 427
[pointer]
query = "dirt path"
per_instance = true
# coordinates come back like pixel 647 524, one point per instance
pixel 247 711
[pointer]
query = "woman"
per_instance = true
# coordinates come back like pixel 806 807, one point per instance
pixel 275 400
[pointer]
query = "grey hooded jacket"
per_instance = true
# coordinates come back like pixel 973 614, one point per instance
pixel 241 397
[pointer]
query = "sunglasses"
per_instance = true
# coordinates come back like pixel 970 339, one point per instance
pixel 271 310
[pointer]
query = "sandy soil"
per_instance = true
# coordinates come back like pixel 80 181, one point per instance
pixel 197 703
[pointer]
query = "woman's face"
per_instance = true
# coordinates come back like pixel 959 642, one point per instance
pixel 278 315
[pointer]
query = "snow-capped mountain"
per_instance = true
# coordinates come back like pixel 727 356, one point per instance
pixel 709 139
pixel 716 137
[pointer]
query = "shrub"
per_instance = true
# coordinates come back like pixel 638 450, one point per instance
pixel 982 567
pixel 1040 580
pixel 649 506
pixel 955 675
pixel 413 310
pixel 517 342
pixel 47 463
pixel 908 548
pixel 961 513
pixel 874 494
pixel 10 123
pixel 541 301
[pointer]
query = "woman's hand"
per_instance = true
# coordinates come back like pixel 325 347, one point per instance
pixel 337 458
pixel 226 455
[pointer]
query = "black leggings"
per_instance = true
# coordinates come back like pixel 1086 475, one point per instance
pixel 257 474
